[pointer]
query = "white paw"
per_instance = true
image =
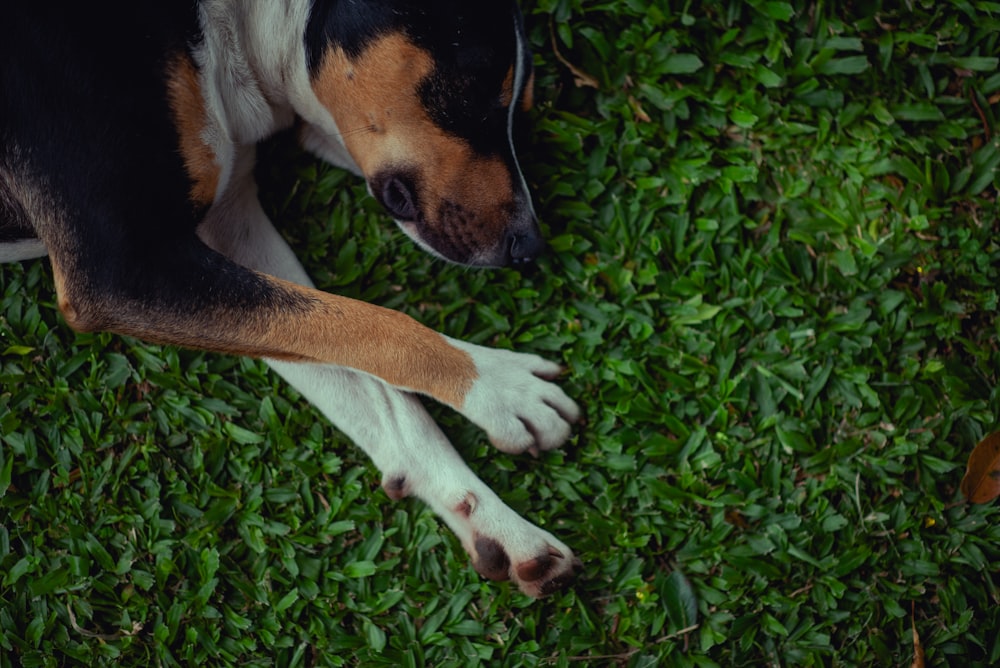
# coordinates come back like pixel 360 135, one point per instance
pixel 505 546
pixel 514 400
pixel 545 568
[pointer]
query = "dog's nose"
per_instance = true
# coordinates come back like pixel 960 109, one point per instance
pixel 524 246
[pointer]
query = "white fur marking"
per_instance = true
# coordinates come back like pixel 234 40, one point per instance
pixel 390 425
pixel 511 399
pixel 24 249
pixel 519 71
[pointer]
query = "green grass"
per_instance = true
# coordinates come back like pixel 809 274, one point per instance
pixel 774 282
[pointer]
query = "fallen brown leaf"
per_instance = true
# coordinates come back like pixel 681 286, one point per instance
pixel 981 483
pixel 580 78
pixel 919 659
pixel 640 113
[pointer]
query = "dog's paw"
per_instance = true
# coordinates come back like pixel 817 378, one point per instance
pixel 505 546
pixel 514 400
pixel 537 573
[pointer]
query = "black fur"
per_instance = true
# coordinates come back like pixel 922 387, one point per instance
pixel 14 222
pixel 468 69
pixel 84 117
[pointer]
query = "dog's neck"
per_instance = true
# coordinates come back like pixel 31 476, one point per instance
pixel 262 82
pixel 245 72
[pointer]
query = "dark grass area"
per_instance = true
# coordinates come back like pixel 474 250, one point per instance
pixel 773 279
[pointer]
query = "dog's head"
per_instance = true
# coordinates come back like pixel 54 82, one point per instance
pixel 425 95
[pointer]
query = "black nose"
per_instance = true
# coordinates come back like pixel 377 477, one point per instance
pixel 524 246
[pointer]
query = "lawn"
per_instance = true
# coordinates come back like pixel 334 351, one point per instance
pixel 773 279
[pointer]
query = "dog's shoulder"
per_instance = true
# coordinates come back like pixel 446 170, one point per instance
pixel 82 96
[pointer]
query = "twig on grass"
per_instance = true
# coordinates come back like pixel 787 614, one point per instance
pixel 107 637
pixel 635 650
pixel 580 78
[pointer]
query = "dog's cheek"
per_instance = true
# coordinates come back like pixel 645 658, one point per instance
pixel 470 209
pixel 372 99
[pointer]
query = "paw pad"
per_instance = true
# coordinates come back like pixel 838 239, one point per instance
pixel 542 575
pixel 395 487
pixel 491 561
pixel 535 569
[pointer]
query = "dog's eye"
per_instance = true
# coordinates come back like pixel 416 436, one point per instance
pixel 399 199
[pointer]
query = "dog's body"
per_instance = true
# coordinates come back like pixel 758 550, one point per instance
pixel 127 135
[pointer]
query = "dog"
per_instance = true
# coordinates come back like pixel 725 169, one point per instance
pixel 127 148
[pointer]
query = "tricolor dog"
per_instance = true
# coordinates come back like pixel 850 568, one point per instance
pixel 127 140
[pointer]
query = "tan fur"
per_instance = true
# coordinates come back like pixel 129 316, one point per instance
pixel 507 91
pixel 528 96
pixel 318 328
pixel 66 305
pixel 188 107
pixel 379 341
pixel 385 77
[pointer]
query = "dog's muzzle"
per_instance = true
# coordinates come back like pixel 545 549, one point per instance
pixel 453 233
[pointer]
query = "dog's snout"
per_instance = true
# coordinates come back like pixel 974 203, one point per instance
pixel 470 225
pixel 397 195
pixel 524 246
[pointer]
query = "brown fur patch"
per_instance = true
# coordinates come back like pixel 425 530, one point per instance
pixel 528 97
pixel 535 569
pixel 67 305
pixel 75 304
pixel 345 332
pixel 374 100
pixel 507 90
pixel 395 487
pixel 467 506
pixel 307 326
pixel 188 107
pixel 376 340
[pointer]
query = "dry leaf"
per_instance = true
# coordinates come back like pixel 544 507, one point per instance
pixel 919 660
pixel 580 78
pixel 640 113
pixel 981 483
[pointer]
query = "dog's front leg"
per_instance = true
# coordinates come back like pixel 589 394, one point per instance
pixel 510 395
pixel 416 459
pixel 393 428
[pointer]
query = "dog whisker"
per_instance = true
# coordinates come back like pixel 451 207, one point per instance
pixel 356 131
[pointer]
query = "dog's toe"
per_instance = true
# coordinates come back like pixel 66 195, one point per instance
pixel 515 402
pixel 546 573
pixel 549 571
pixel 539 426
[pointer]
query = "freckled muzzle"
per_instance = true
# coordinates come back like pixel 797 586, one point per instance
pixel 498 237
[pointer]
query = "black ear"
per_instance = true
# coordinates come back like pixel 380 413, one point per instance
pixel 350 26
